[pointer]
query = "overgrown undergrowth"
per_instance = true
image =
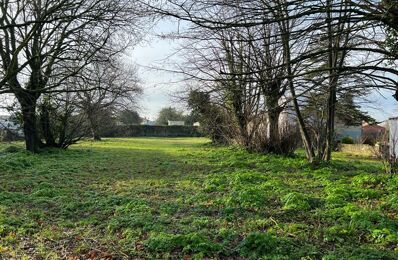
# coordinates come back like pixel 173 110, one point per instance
pixel 176 198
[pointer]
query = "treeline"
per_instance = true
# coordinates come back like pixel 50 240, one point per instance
pixel 262 71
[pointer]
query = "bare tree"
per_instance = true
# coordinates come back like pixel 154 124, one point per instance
pixel 43 43
pixel 351 36
pixel 106 87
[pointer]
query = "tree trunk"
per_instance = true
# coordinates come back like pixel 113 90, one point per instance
pixel 333 81
pixel 273 131
pixel 32 140
pixel 94 128
pixel 46 126
pixel 303 130
pixel 96 136
pixel 330 122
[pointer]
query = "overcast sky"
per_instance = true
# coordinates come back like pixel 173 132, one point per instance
pixel 160 87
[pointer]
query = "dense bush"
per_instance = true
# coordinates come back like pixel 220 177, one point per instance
pixel 347 140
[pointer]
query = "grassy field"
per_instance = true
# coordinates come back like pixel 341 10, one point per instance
pixel 184 199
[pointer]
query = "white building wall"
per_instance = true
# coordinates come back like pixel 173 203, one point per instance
pixel 393 136
pixel 178 123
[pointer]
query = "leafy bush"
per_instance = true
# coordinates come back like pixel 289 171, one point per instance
pixel 347 140
pixel 16 163
pixel 164 242
pixel 47 192
pixel 363 193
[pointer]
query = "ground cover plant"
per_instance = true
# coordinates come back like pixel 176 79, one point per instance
pixel 183 198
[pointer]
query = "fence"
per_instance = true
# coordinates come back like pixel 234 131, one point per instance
pixel 358 149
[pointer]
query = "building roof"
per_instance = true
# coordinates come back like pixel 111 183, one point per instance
pixel 373 129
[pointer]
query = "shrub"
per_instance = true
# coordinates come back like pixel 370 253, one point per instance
pixel 365 219
pixel 289 140
pixel 361 193
pixel 392 201
pixel 347 140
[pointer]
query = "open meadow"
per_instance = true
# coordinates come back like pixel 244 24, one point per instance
pixel 183 198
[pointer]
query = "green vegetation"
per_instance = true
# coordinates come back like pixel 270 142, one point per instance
pixel 176 198
pixel 347 140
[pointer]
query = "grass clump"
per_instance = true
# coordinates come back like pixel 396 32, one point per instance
pixel 296 201
pixel 195 243
pixel 257 245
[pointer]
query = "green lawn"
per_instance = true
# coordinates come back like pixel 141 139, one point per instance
pixel 182 198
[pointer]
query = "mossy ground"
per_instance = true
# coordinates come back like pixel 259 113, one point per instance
pixel 182 198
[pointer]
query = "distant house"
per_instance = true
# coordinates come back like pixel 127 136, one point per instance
pixel 148 122
pixel 372 133
pixel 197 124
pixel 175 123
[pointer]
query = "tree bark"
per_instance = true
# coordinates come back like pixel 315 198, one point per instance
pixel 306 138
pixel 94 127
pixel 46 126
pixel 331 120
pixel 28 104
pixel 273 134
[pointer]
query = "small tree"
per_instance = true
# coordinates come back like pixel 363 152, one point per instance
pixel 212 118
pixel 102 89
pixel 129 117
pixel 169 114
